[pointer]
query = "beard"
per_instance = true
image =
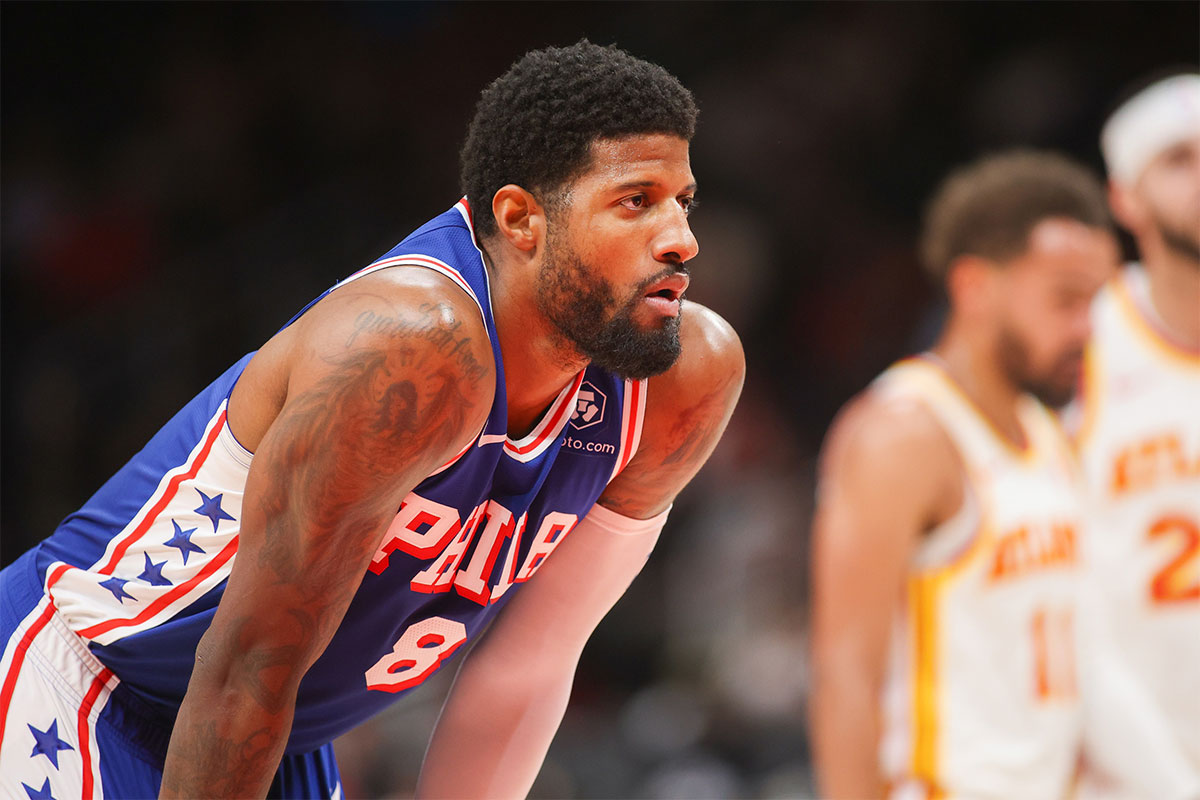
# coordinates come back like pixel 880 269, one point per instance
pixel 1054 387
pixel 1180 240
pixel 594 322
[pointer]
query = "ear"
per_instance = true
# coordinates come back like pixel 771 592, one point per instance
pixel 1127 207
pixel 520 219
pixel 970 284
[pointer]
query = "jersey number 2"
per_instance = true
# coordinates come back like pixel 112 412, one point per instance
pixel 1179 580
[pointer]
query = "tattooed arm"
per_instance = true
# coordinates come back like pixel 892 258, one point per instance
pixel 510 694
pixel 347 410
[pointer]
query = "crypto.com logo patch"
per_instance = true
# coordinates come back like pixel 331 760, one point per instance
pixel 589 408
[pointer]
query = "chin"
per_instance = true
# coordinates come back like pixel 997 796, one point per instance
pixel 1054 395
pixel 645 367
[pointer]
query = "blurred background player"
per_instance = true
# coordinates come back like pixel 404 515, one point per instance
pixel 948 512
pixel 1140 434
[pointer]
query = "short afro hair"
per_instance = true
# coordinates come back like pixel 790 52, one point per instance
pixel 988 208
pixel 534 125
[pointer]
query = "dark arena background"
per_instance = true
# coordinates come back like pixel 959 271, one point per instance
pixel 178 179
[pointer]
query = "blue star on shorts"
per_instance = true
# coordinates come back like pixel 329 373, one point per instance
pixel 152 574
pixel 47 743
pixel 183 540
pixel 39 794
pixel 211 508
pixel 117 587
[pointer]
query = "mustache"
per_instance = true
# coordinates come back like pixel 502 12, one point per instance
pixel 675 268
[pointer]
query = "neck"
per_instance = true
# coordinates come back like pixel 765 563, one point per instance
pixel 1175 292
pixel 537 363
pixel 970 360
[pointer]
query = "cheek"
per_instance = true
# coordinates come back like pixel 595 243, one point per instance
pixel 1044 328
pixel 1024 304
pixel 1176 196
pixel 1038 334
pixel 602 234
pixel 609 257
pixel 1064 331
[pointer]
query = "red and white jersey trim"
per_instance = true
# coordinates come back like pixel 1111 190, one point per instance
pixel 419 260
pixel 464 209
pixel 551 426
pixel 539 439
pixel 168 487
pixel 633 414
pixel 466 449
pixel 178 547
pixel 633 411
pixel 435 264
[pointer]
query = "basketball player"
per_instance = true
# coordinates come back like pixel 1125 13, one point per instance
pixel 1140 435
pixel 518 378
pixel 948 519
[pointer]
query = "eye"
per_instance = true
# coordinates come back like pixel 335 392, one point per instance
pixel 1181 155
pixel 634 202
pixel 689 204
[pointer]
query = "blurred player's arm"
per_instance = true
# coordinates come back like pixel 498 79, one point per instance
pixel 888 474
pixel 364 412
pixel 509 696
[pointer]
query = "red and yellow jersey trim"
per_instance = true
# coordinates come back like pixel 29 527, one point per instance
pixel 1150 332
pixel 925 594
pixel 1023 451
pixel 1091 396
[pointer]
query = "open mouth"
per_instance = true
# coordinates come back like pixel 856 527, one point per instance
pixel 670 288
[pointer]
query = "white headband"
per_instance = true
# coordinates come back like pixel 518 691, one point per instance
pixel 1162 115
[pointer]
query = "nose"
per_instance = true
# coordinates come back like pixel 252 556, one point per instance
pixel 676 242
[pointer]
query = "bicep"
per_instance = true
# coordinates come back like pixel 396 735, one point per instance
pixel 366 417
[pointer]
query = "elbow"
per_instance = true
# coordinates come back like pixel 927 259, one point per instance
pixel 233 672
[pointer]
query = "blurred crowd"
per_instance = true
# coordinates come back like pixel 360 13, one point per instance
pixel 178 180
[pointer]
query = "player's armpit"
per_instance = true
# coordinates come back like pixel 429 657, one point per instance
pixel 687 409
pixel 386 380
pixel 888 473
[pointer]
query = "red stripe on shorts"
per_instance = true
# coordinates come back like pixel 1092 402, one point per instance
pixel 85 745
pixel 10 680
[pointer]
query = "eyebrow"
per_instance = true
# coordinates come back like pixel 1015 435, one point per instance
pixel 691 187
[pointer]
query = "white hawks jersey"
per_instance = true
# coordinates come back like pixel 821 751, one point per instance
pixel 1140 446
pixel 981 698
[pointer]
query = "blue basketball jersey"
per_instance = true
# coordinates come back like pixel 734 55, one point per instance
pixel 139 570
